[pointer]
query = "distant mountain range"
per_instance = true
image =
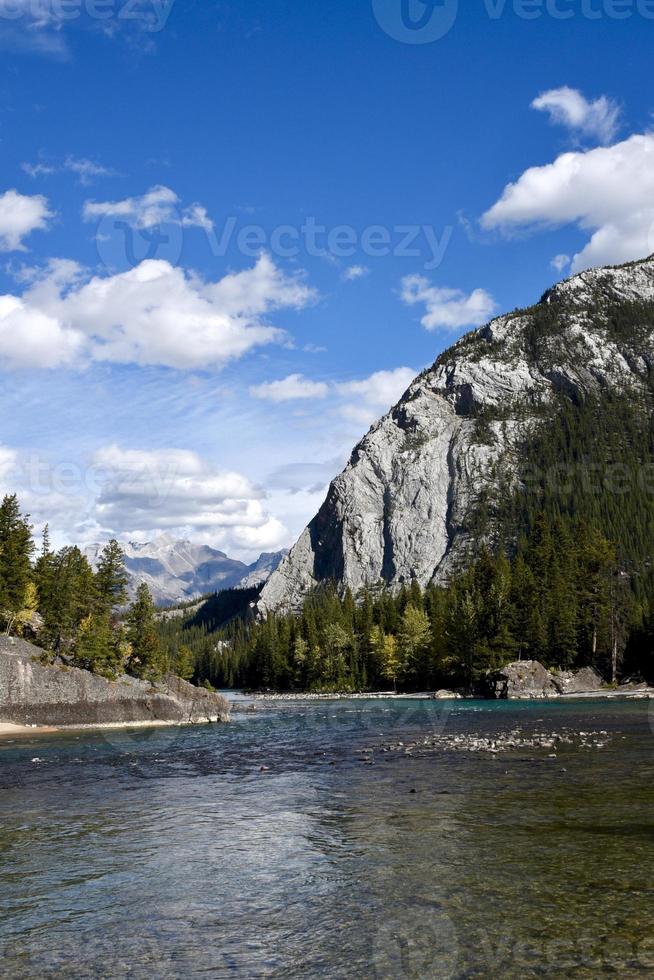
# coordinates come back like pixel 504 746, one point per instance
pixel 176 571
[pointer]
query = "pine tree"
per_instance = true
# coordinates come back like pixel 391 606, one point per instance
pixel 391 665
pixel 16 547
pixel 185 663
pixel 71 597
pixel 111 577
pixel 146 658
pixel 413 639
pixel 97 646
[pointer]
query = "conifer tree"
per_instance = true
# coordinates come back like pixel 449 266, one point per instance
pixel 97 646
pixel 146 658
pixel 185 663
pixel 111 577
pixel 16 547
pixel 413 638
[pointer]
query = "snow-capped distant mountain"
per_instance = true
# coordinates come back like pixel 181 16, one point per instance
pixel 176 571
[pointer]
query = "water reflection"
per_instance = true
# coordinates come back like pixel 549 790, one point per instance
pixel 277 847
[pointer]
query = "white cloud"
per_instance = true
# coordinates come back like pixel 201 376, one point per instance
pixel 8 461
pixel 607 192
pixel 160 205
pixel 38 169
pixel 196 216
pixel 40 25
pixel 19 216
pixel 292 388
pixel 560 262
pixel 360 401
pixel 179 492
pixel 448 309
pixel 32 339
pixel 38 13
pixel 86 170
pixel 355 272
pixel 137 494
pixel 568 107
pixel 371 397
pixel 154 314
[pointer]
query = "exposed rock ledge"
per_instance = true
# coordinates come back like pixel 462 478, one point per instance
pixel 34 694
pixel 529 679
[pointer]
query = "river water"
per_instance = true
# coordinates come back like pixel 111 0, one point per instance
pixel 305 841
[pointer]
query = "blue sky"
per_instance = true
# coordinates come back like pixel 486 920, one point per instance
pixel 230 233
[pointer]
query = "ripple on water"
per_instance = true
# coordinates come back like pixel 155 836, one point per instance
pixel 266 848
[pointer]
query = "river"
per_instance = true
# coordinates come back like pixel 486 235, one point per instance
pixel 335 839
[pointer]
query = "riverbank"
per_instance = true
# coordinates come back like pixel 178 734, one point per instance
pixel 37 693
pixel 9 730
pixel 626 692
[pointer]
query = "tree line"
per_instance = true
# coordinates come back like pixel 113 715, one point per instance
pixel 562 598
pixel 75 613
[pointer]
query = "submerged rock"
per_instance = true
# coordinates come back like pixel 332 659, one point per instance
pixel 34 694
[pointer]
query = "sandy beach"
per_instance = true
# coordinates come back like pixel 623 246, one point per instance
pixel 8 729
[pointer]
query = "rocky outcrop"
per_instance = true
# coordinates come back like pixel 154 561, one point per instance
pixel 401 509
pixel 34 694
pixel 527 680
pixel 578 682
pixel 530 680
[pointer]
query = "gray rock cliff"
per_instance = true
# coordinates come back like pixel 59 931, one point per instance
pixel 34 694
pixel 399 510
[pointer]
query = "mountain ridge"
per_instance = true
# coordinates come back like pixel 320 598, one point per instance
pixel 403 506
pixel 177 570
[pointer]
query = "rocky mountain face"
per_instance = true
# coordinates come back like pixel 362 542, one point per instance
pixel 404 507
pixel 176 571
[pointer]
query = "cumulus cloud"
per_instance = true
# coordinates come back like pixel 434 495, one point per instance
pixel 32 339
pixel 447 309
pixel 354 272
pixel 361 401
pixel 292 388
pixel 154 314
pixel 370 397
pixel 567 107
pixel 608 192
pixel 177 491
pixel 160 205
pixel 20 215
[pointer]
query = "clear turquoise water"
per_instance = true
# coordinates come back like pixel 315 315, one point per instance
pixel 170 853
